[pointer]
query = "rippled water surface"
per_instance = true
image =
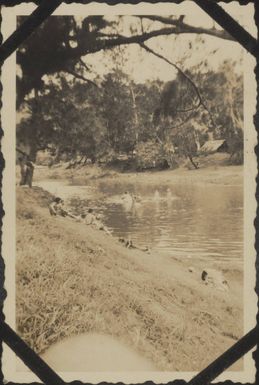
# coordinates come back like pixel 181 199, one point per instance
pixel 185 220
pixel 195 220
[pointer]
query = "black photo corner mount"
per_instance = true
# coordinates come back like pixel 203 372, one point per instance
pixel 7 335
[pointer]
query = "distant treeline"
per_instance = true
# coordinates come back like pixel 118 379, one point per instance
pixel 151 125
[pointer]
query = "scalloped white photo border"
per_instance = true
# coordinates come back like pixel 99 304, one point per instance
pixel 8 191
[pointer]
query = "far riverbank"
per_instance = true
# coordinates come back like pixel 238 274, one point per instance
pixel 225 175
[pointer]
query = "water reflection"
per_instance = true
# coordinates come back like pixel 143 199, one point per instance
pixel 184 220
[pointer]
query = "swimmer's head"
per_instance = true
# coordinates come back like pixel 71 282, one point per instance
pixel 90 210
pixel 83 215
pixel 58 200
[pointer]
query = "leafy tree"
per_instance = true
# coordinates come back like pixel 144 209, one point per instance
pixel 225 103
pixel 75 117
pixel 181 119
pixel 64 120
pixel 147 98
pixel 61 42
pixel 187 144
pixel 117 111
pixel 79 119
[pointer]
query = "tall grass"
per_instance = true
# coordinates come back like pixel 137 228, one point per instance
pixel 73 280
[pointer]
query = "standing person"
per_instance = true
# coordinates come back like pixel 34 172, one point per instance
pixel 23 168
pixel 127 201
pixel 29 173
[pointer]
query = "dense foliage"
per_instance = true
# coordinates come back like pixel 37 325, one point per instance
pixel 155 124
pixel 117 117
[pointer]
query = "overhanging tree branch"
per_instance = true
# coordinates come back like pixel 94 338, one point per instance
pixel 89 43
pixel 102 44
pixel 181 27
pixel 81 77
pixel 200 100
pixel 112 41
pixel 180 71
pixel 84 64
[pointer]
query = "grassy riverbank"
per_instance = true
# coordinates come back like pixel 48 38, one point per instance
pixel 73 279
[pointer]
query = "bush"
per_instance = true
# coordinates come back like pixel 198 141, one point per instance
pixel 151 155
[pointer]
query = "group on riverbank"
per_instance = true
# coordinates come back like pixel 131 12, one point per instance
pixel 78 280
pixel 57 208
pixel 89 218
pixel 209 277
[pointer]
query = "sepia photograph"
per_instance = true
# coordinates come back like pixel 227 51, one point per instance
pixel 130 159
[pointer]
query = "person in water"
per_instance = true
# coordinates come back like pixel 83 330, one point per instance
pixel 168 194
pixel 131 199
pixel 126 196
pixel 156 195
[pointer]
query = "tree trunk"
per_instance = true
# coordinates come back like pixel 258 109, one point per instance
pixel 136 121
pixel 197 140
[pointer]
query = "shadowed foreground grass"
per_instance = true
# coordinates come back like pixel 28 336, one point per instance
pixel 73 279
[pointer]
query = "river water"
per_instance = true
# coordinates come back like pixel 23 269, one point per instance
pixel 182 220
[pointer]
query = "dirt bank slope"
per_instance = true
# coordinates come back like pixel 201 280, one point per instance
pixel 73 279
